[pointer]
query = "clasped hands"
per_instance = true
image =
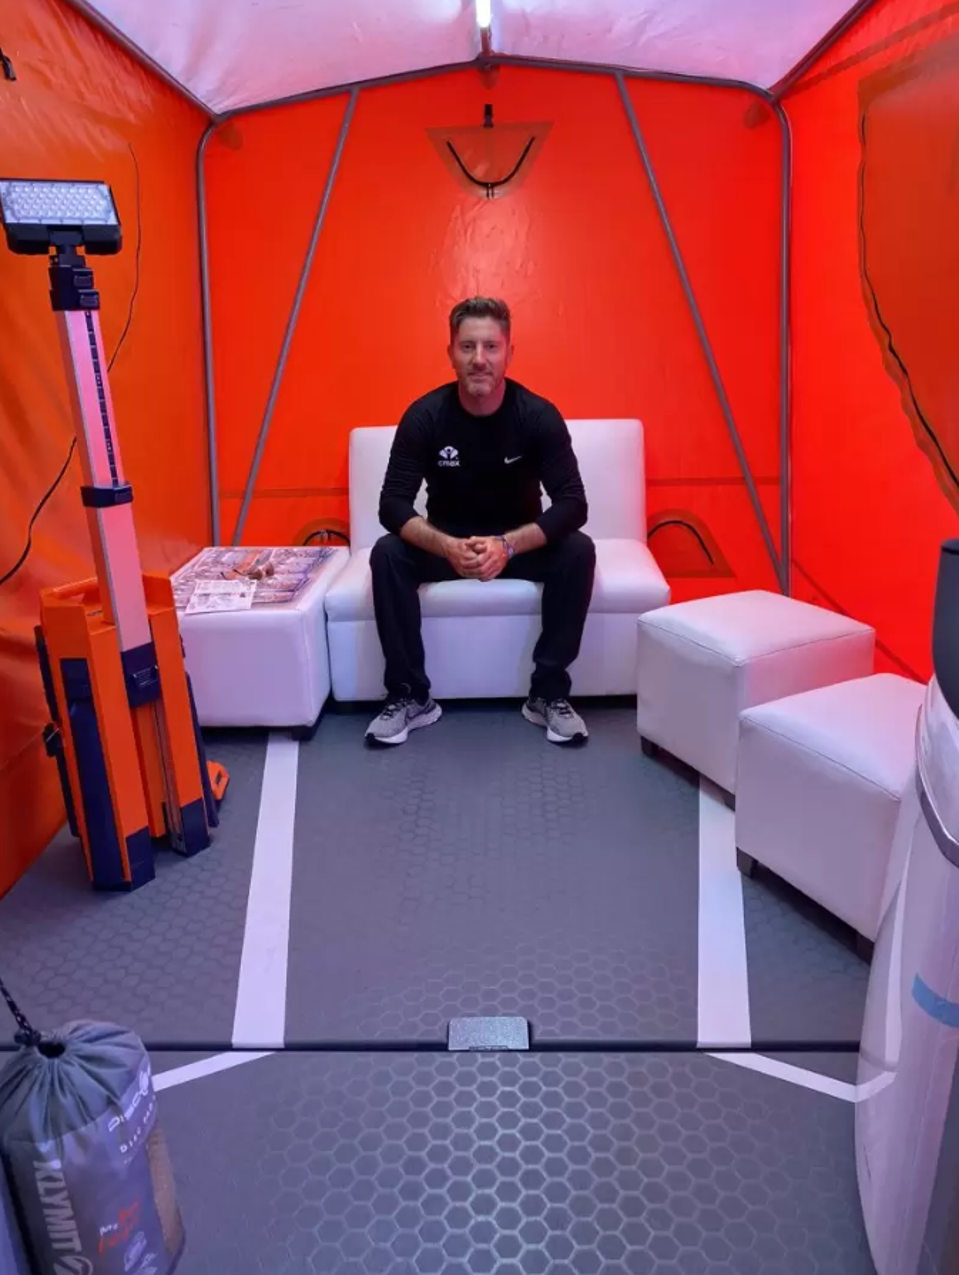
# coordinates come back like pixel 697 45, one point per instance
pixel 478 557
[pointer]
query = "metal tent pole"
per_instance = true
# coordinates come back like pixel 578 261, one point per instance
pixel 206 313
pixel 294 316
pixel 701 330
pixel 785 354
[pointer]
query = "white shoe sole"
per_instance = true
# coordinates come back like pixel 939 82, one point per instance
pixel 424 719
pixel 539 720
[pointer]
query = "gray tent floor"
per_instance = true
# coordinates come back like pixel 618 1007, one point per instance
pixel 355 901
pixel 522 1164
pixel 475 870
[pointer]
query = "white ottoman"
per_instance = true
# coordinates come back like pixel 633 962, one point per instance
pixel 701 663
pixel 268 666
pixel 821 778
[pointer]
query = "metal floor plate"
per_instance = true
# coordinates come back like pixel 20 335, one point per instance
pixel 478 870
pixel 346 1164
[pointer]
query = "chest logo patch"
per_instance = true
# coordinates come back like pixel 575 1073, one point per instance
pixel 449 458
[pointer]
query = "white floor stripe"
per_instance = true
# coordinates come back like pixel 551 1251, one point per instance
pixel 206 1067
pixel 723 980
pixel 751 1062
pixel 794 1075
pixel 260 1018
pixel 871 1087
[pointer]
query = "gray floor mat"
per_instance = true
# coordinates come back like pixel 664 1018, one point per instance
pixel 476 870
pixel 163 960
pixel 479 870
pixel 346 1164
pixel 806 984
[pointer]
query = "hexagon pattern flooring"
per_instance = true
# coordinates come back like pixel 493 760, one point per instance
pixel 805 980
pixel 345 1164
pixel 163 960
pixel 477 870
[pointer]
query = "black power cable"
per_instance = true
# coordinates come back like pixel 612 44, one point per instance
pixel 36 514
pixel 73 442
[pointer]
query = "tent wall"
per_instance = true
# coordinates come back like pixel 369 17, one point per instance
pixel 602 324
pixel 82 108
pixel 875 326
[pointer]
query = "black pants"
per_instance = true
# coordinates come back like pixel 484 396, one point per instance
pixel 565 568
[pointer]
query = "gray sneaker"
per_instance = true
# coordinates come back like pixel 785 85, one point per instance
pixel 399 717
pixel 563 724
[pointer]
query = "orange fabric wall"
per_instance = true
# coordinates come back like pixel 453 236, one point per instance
pixel 82 108
pixel 601 323
pixel 870 505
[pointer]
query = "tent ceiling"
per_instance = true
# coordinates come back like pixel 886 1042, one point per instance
pixel 235 53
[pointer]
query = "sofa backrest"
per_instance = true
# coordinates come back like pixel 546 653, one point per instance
pixel 611 461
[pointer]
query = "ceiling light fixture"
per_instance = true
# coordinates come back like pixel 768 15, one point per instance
pixel 484 21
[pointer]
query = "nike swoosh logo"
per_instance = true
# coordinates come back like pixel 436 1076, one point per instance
pixel 511 459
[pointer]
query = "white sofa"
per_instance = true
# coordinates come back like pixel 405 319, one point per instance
pixel 821 779
pixel 479 637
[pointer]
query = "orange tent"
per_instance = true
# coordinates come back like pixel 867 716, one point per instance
pixel 733 223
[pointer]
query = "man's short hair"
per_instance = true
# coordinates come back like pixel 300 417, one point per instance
pixel 481 308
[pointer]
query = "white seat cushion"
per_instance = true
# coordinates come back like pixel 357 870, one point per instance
pixel 866 726
pixel 820 781
pixel 701 663
pixel 745 626
pixel 628 581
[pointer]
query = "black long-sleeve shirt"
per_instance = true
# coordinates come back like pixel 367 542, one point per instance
pixel 484 473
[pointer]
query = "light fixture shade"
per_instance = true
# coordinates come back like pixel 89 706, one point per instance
pixel 487 160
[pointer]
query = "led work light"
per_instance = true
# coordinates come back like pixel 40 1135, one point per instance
pixel 40 215
pixel 123 728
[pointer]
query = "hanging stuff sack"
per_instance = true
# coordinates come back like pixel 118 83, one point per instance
pixel 85 1159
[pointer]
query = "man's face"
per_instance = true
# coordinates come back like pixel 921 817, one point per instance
pixel 480 354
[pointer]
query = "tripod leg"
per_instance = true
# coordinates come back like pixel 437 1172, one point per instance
pixel 177 725
pixel 118 839
pixel 208 770
pixel 53 743
pixel 52 738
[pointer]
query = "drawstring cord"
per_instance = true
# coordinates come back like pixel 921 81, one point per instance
pixel 27 1035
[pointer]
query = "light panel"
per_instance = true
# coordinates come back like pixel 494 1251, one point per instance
pixel 41 214
pixel 49 203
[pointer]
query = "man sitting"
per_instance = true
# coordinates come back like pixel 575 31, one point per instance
pixel 484 444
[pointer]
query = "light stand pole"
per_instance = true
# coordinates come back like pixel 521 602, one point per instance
pixel 124 729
